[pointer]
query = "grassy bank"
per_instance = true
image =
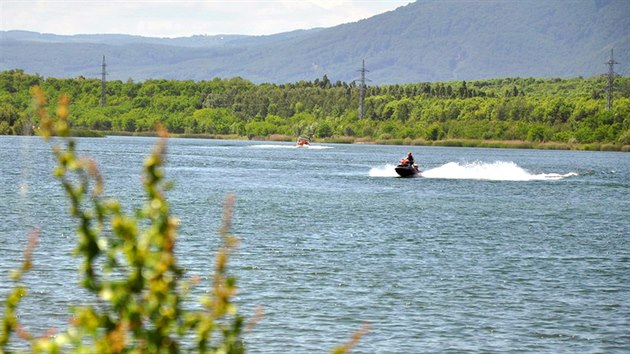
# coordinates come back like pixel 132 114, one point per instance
pixel 497 144
pixel 86 133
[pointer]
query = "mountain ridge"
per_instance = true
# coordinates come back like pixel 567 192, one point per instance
pixel 425 41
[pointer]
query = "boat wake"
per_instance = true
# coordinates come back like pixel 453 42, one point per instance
pixel 495 171
pixel 278 146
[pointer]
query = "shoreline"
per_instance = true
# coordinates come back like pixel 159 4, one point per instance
pixel 475 143
pixel 497 144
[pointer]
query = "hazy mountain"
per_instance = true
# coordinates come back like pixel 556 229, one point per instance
pixel 429 40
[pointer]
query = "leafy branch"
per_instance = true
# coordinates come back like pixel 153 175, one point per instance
pixel 129 265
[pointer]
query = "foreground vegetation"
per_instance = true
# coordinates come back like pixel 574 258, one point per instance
pixel 513 112
pixel 130 267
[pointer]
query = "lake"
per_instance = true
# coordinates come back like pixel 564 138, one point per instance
pixel 494 250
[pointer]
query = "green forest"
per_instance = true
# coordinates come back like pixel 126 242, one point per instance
pixel 510 112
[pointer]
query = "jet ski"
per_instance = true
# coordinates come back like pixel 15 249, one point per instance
pixel 407 169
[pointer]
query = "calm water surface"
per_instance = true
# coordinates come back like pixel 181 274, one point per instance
pixel 495 250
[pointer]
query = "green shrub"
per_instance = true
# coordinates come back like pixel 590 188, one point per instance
pixel 434 132
pixel 538 132
pixel 5 129
pixel 624 138
pixel 145 312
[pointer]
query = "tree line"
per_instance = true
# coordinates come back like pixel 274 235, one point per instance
pixel 525 109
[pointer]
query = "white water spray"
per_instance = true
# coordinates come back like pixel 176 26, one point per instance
pixel 383 171
pixel 278 146
pixel 495 171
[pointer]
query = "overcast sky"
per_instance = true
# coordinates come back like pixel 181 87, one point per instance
pixel 161 18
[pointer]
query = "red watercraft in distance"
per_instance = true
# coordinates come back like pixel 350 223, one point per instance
pixel 302 142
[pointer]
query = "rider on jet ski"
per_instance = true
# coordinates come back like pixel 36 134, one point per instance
pixel 407 160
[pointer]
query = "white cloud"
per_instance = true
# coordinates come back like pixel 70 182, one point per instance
pixel 162 18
